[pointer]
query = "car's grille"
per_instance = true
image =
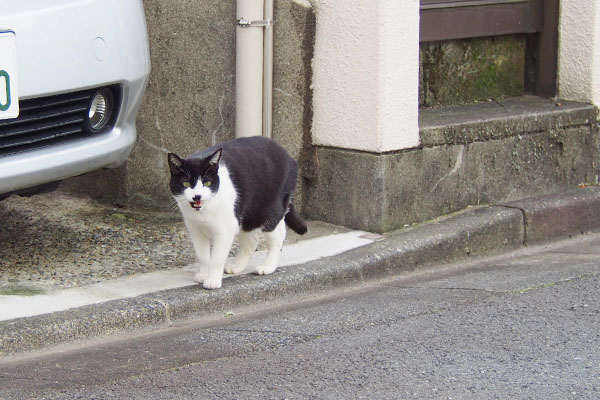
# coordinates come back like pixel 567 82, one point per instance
pixel 47 121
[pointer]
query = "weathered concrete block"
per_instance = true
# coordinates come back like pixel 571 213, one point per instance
pixel 500 119
pixel 349 188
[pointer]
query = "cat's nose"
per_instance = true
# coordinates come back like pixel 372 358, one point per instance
pixel 197 198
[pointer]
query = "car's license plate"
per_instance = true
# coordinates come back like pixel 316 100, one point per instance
pixel 9 97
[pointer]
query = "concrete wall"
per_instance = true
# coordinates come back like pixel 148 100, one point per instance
pixel 189 102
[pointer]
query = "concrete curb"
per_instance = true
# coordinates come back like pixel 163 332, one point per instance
pixel 561 215
pixel 473 232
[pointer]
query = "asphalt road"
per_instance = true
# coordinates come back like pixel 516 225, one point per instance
pixel 523 325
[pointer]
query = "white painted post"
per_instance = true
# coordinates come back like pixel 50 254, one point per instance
pixel 579 51
pixel 366 74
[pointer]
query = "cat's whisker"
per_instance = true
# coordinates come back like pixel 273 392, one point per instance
pixel 173 206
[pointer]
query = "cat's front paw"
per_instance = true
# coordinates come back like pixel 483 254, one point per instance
pixel 212 283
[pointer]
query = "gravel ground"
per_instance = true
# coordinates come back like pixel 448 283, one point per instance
pixel 58 240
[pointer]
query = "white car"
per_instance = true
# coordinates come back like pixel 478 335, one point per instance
pixel 75 71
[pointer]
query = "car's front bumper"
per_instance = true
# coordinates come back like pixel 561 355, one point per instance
pixel 58 51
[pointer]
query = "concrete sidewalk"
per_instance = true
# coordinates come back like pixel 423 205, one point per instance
pixel 473 232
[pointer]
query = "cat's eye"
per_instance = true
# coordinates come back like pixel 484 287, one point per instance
pixel 207 183
pixel 187 184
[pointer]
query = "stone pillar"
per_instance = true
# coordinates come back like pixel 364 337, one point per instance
pixel 579 51
pixel 366 75
pixel 365 106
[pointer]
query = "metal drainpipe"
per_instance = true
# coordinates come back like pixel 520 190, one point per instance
pixel 254 69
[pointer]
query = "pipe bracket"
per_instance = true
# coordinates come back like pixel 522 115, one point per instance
pixel 261 23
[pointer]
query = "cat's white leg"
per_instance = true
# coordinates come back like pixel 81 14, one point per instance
pixel 221 245
pixel 202 249
pixel 274 241
pixel 248 242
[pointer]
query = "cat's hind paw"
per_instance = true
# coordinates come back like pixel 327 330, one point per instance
pixel 265 269
pixel 234 269
pixel 200 277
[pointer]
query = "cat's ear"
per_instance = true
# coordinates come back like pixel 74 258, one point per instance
pixel 175 163
pixel 213 160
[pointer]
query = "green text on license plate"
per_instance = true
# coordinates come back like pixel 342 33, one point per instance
pixel 9 97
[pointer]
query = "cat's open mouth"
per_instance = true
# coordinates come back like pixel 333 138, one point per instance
pixel 197 204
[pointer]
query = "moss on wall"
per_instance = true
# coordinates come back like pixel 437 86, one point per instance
pixel 471 70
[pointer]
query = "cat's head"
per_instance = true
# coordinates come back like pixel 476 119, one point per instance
pixel 194 180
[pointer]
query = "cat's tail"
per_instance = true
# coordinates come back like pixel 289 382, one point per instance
pixel 294 221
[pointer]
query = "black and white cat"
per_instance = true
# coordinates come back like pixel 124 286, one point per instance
pixel 244 186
